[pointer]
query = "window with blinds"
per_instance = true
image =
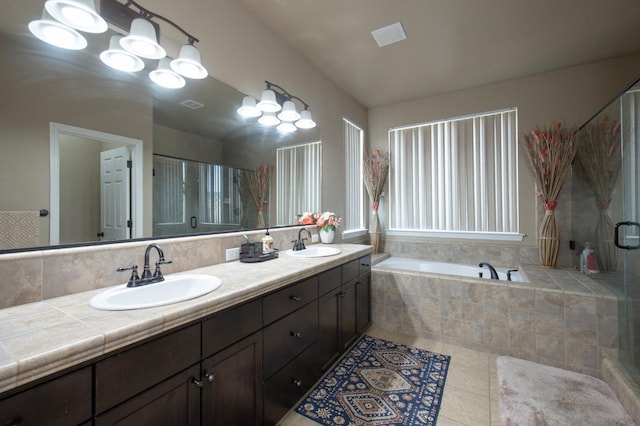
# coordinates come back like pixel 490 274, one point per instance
pixel 298 181
pixel 353 218
pixel 456 176
pixel 219 197
pixel 169 186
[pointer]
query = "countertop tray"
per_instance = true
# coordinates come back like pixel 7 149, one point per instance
pixel 259 258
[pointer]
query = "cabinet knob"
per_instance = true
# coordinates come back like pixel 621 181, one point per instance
pixel 296 334
pixel 197 382
pixel 342 294
pixel 210 377
pixel 295 298
pixel 296 382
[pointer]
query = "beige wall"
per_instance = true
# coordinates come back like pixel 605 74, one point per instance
pixel 572 94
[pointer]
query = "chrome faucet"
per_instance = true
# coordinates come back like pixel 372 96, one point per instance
pixel 299 243
pixel 147 278
pixel 494 273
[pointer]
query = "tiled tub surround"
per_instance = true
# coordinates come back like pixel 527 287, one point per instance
pixel 41 338
pixel 39 275
pixel 559 317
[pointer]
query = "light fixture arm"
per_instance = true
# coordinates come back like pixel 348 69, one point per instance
pixel 146 13
pixel 286 95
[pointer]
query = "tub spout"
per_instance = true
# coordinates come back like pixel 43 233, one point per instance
pixel 494 273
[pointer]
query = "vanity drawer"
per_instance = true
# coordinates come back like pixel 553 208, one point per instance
pixel 124 375
pixel 230 326
pixel 288 385
pixel 286 338
pixel 329 280
pixel 282 302
pixel 350 270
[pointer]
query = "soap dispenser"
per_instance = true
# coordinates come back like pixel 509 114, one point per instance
pixel 267 243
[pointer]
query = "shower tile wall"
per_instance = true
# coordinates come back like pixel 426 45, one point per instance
pixel 570 325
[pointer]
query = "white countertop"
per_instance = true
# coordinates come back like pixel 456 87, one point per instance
pixel 39 339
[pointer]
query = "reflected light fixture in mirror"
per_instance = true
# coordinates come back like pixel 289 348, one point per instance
pixel 165 77
pixel 56 34
pixel 288 120
pixel 78 14
pixel 188 62
pixel 118 58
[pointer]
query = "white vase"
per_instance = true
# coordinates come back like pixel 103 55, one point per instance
pixel 326 236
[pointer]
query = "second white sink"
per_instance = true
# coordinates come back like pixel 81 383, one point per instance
pixel 174 288
pixel 315 251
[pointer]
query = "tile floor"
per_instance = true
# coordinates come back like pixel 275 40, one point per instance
pixel 470 392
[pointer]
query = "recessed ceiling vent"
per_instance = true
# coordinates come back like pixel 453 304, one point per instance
pixel 390 34
pixel 190 103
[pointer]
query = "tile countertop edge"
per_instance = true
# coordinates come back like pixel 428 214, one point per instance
pixel 264 278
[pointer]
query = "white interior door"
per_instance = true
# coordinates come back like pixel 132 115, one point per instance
pixel 114 194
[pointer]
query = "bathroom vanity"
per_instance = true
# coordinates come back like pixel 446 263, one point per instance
pixel 245 354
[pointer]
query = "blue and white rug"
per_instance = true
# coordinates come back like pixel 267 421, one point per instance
pixel 380 383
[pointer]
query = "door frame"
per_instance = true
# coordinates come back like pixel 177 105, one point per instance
pixel 55 130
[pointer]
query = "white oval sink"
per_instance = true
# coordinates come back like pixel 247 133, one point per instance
pixel 174 288
pixel 315 251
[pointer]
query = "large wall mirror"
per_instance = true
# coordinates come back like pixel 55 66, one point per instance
pixel 67 100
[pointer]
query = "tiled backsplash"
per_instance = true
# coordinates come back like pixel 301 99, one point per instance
pixel 33 276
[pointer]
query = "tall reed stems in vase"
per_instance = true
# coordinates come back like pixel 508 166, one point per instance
pixel 376 168
pixel 599 153
pixel 259 184
pixel 550 152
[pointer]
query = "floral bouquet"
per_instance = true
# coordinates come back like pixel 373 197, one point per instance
pixel 306 218
pixel 328 221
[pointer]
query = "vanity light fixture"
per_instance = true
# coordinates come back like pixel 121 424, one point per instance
pixel 78 14
pixel 142 40
pixel 118 58
pixel 56 34
pixel 188 62
pixel 273 101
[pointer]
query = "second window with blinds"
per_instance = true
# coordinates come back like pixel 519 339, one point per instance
pixel 456 177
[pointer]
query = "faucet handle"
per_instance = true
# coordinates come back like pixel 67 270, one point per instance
pixel 134 275
pixel 157 274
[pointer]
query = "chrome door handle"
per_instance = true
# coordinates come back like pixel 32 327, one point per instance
pixel 617 233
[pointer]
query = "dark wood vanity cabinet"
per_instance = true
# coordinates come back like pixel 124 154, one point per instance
pixel 247 365
pixel 62 401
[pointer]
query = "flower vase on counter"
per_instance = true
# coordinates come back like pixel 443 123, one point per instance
pixel 326 236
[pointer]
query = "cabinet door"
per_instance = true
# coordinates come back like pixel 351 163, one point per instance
pixel 232 389
pixel 174 402
pixel 363 308
pixel 329 348
pixel 65 400
pixel 348 318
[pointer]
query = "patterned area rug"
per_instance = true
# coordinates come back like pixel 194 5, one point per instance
pixel 380 383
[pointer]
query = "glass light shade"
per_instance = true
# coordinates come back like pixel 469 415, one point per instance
pixel 165 77
pixel 288 112
pixel 56 34
pixel 119 59
pixel 305 122
pixel 269 119
pixel 286 127
pixel 268 102
pixel 248 108
pixel 78 14
pixel 188 64
pixel 142 40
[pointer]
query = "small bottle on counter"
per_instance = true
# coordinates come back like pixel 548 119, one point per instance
pixel 267 243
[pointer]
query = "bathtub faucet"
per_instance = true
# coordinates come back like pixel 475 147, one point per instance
pixel 494 273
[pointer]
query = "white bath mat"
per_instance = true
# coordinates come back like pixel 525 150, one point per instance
pixel 533 394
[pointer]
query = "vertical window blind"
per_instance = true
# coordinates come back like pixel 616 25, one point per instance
pixel 457 175
pixel 353 218
pixel 298 180
pixel 169 185
pixel 219 197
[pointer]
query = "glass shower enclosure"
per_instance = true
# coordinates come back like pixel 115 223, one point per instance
pixel 605 193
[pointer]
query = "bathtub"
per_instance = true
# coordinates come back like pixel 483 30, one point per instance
pixel 417 265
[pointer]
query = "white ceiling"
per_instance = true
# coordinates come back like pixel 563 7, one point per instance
pixel 452 44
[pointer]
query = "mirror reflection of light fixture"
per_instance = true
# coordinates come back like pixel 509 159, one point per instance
pixel 56 34
pixel 272 102
pixel 188 62
pixel 118 58
pixel 142 40
pixel 164 76
pixel 78 14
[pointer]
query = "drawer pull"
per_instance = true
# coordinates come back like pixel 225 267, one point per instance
pixel 295 298
pixel 296 382
pixel 296 334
